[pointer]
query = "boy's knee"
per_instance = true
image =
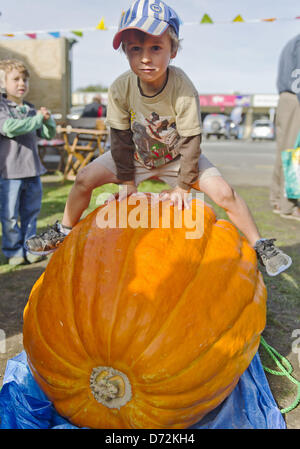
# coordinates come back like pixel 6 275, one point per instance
pixel 82 181
pixel 225 196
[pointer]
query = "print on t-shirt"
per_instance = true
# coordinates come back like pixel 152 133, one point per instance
pixel 155 139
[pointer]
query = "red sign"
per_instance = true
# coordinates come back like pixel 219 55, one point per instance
pixel 222 101
pixel 217 100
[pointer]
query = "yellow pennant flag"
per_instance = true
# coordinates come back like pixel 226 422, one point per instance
pixel 101 25
pixel 206 19
pixel 238 18
pixel 8 35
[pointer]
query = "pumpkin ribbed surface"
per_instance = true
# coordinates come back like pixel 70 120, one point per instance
pixel 144 328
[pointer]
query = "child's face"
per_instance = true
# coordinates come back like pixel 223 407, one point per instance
pixel 148 57
pixel 16 85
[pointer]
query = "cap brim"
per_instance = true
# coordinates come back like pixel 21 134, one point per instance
pixel 118 36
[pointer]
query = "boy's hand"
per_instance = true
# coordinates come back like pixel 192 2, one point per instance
pixel 177 196
pixel 125 190
pixel 44 111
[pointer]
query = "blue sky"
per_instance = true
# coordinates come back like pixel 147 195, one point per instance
pixel 219 58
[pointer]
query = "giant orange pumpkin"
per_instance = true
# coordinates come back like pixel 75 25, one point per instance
pixel 140 327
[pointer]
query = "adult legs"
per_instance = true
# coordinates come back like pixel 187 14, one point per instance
pixel 287 128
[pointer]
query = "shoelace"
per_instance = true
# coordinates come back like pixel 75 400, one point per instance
pixel 268 249
pixel 51 231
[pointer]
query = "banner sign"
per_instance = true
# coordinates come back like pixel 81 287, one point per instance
pixel 225 100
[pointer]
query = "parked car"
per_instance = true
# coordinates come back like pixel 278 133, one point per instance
pixel 263 129
pixel 219 125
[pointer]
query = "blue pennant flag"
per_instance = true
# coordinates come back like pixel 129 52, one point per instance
pixel 54 33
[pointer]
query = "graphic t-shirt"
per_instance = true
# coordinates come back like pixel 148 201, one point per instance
pixel 157 122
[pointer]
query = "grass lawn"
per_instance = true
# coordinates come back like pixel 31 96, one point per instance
pixel 284 288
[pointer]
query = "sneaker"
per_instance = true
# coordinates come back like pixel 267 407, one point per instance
pixel 274 260
pixel 16 260
pixel 295 215
pixel 276 210
pixel 46 242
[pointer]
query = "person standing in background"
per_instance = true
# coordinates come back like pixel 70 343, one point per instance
pixel 20 165
pixel 287 125
pixel 95 109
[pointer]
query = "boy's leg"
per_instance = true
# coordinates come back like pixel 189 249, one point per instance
pixel 88 178
pixel 93 175
pixel 12 243
pixel 219 191
pixel 215 187
pixel 30 205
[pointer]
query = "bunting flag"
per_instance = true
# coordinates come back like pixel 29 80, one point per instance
pixel 238 19
pixel 77 33
pixel 101 25
pixel 54 33
pixel 206 19
pixel 31 35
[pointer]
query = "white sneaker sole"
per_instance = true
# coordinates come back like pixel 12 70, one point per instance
pixel 283 268
pixel 40 253
pixel 290 217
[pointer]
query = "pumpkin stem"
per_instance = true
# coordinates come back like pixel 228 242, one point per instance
pixel 110 387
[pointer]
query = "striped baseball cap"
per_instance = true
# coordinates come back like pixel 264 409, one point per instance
pixel 151 16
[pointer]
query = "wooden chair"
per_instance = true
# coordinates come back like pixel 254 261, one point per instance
pixel 81 145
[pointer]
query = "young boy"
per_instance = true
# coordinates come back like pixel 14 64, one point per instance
pixel 20 166
pixel 154 116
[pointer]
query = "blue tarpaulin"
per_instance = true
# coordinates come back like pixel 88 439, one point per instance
pixel 251 405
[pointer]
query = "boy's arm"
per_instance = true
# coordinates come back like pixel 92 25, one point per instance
pixel 122 151
pixel 190 151
pixel 16 127
pixel 48 129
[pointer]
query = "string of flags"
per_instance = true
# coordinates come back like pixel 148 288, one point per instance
pixel 205 20
pixel 56 34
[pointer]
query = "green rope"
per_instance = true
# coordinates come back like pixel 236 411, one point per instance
pixel 285 370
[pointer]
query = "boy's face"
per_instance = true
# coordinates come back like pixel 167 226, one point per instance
pixel 149 57
pixel 16 85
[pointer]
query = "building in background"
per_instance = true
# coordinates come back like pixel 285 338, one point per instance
pixel 50 64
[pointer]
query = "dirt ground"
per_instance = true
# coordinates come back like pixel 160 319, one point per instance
pixel 16 286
